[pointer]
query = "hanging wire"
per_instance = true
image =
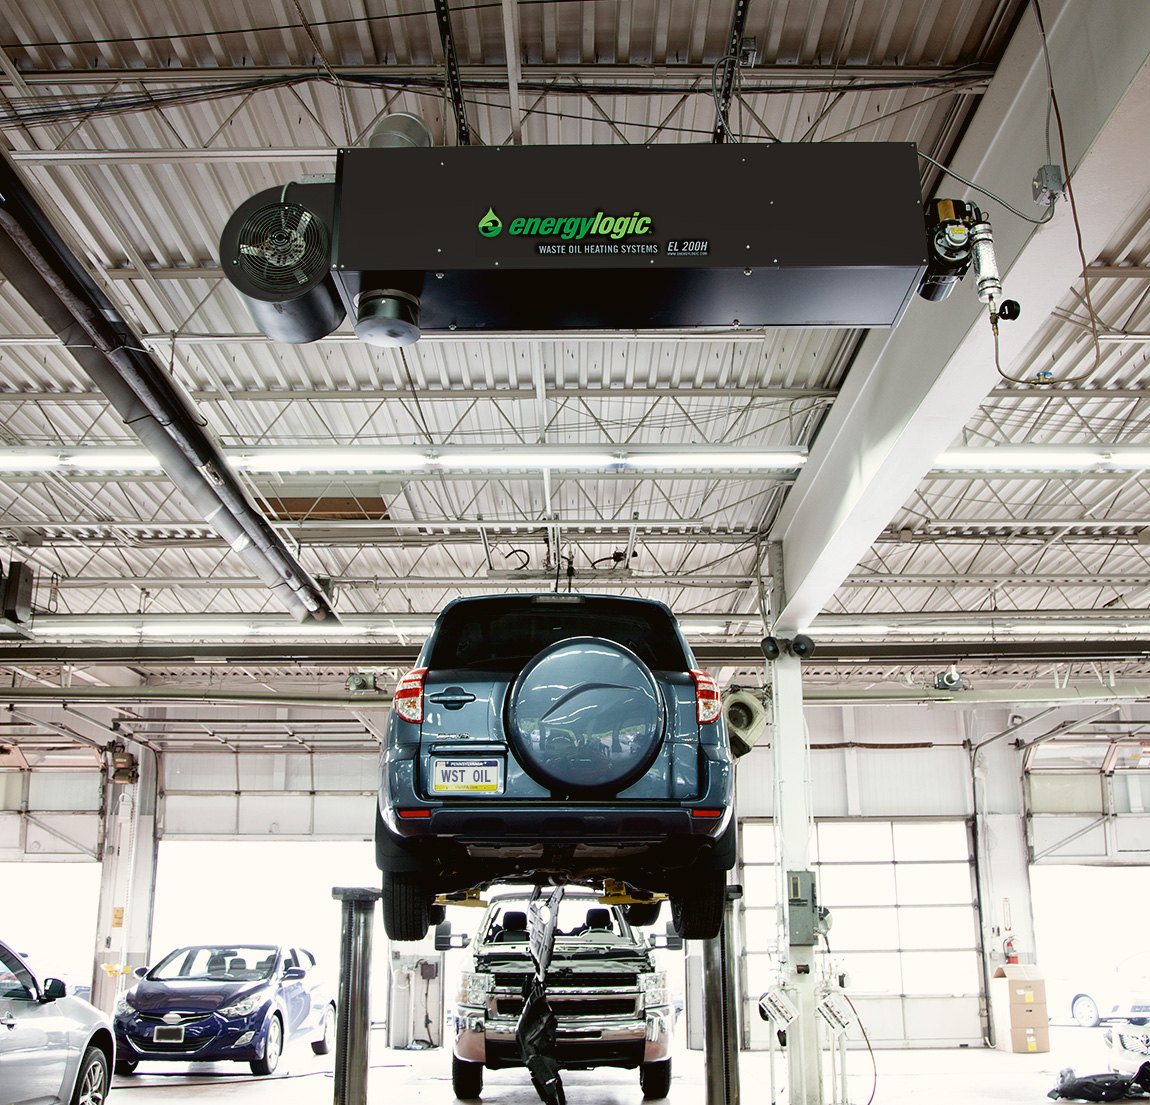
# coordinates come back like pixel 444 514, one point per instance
pixel 725 62
pixel 978 188
pixel 1053 104
pixel 1073 204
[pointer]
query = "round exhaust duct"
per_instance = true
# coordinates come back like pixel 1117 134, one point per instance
pixel 400 129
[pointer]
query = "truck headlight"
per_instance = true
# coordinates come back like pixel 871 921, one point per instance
pixel 655 989
pixel 474 986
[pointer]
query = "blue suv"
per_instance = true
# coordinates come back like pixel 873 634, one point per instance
pixel 554 738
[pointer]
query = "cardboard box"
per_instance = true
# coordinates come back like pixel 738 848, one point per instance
pixel 1033 1040
pixel 1018 1007
pixel 1023 982
pixel 1028 1016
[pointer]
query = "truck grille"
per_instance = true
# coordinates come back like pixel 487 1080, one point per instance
pixel 591 980
pixel 572 1006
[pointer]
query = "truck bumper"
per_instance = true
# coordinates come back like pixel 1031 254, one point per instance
pixel 591 1043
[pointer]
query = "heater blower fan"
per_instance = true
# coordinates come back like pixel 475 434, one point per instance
pixel 276 250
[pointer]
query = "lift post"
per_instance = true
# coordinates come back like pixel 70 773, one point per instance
pixel 353 1022
pixel 720 1010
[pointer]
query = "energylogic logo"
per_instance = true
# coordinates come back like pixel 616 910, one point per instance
pixel 568 227
pixel 489 225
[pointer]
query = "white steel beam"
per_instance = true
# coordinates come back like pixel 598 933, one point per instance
pixel 910 390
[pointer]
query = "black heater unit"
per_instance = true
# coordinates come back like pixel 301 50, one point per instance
pixel 578 238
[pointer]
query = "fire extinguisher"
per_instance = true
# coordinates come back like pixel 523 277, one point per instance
pixel 1009 950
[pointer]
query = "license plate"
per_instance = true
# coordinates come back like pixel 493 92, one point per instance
pixel 168 1034
pixel 467 776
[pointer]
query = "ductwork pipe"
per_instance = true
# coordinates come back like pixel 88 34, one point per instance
pixel 160 415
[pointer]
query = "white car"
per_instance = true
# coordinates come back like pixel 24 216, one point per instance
pixel 54 1049
pixel 1129 1047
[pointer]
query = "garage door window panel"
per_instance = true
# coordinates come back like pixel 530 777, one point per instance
pixel 934 884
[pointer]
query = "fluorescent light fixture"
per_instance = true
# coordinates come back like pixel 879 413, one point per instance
pixel 1019 458
pixel 1001 627
pixel 328 460
pixel 160 627
pixel 112 460
pixel 1039 458
pixel 14 460
pixel 731 459
pixel 306 459
pixel 525 459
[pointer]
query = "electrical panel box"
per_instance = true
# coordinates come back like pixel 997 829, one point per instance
pixel 17 593
pixel 802 908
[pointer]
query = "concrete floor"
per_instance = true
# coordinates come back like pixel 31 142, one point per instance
pixel 951 1077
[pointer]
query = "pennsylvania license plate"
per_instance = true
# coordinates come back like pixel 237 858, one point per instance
pixel 168 1034
pixel 467 776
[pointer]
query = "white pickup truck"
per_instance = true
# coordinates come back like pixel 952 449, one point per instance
pixel 603 985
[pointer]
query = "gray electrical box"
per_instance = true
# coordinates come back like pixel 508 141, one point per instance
pixel 802 908
pixel 16 598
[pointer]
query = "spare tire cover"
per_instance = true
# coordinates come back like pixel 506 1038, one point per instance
pixel 586 715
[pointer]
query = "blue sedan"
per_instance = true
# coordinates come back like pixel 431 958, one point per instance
pixel 214 1002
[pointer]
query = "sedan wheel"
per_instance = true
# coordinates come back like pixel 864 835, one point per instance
pixel 92 1083
pixel 1085 1011
pixel 327 1041
pixel 272 1048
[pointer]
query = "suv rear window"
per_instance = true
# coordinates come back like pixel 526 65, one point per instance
pixel 503 633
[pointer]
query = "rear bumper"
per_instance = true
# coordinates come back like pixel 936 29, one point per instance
pixel 651 849
pixel 580 1045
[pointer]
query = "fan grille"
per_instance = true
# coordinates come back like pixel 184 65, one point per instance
pixel 283 247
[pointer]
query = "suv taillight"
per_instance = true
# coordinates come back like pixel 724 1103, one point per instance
pixel 708 704
pixel 408 698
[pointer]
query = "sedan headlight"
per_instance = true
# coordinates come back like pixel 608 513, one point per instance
pixel 474 988
pixel 655 989
pixel 245 1006
pixel 124 1008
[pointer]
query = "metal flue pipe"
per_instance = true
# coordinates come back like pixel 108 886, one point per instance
pixel 51 281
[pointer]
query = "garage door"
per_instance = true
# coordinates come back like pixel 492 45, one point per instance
pixel 904 925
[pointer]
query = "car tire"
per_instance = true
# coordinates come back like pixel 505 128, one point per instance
pixel 127 1066
pixel 273 1048
pixel 1084 1009
pixel 466 1078
pixel 326 1042
pixel 92 1079
pixel 406 906
pixel 640 914
pixel 697 910
pixel 655 1078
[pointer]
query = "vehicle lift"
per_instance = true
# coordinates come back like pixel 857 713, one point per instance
pixel 353 1021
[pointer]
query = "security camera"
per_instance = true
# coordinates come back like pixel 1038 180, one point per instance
pixel 800 645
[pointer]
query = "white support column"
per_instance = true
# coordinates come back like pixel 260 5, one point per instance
pixel 794 825
pixel 127 882
pixel 910 390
